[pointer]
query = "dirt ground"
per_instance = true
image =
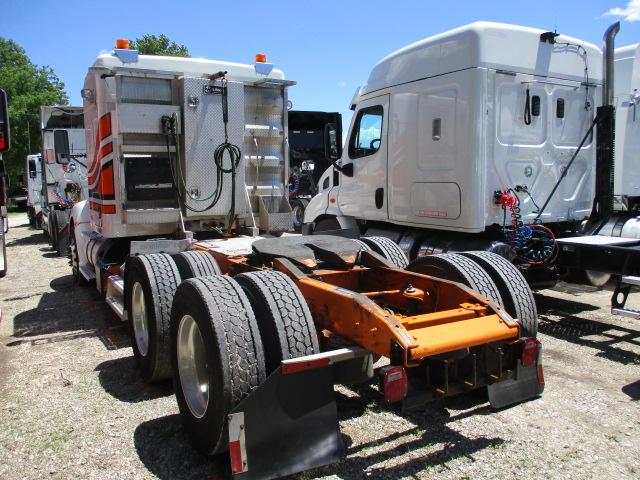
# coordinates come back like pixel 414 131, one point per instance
pixel 72 405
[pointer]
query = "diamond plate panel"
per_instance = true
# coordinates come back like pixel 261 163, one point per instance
pixel 264 142
pixel 203 132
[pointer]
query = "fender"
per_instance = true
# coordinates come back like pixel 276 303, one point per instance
pixel 81 221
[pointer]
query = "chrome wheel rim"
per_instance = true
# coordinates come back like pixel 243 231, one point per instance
pixel 139 318
pixel 192 366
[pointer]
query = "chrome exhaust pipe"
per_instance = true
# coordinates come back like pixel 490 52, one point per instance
pixel 608 46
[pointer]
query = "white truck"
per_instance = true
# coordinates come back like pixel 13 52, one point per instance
pixel 187 155
pixel 479 138
pixel 178 146
pixel 64 170
pixel 33 181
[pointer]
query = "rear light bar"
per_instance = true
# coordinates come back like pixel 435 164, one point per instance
pixel 395 384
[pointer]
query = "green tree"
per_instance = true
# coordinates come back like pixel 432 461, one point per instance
pixel 28 86
pixel 159 45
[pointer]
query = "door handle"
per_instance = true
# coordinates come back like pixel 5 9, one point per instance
pixel 379 197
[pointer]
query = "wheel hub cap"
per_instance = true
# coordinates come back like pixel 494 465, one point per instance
pixel 139 318
pixel 192 366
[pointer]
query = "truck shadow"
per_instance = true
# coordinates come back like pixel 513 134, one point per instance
pixel 120 379
pixel 632 390
pixel 33 239
pixel 69 312
pixel 608 338
pixel 164 448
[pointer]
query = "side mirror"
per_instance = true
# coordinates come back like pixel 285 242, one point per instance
pixel 33 172
pixel 332 146
pixel 347 169
pixel 333 149
pixel 61 145
pixel 5 132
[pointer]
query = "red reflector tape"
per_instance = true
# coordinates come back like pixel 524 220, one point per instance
pixel 529 351
pixel 237 450
pixel 236 457
pixel 288 368
pixel 540 375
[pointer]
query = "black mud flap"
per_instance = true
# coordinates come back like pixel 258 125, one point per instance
pixel 287 425
pixel 528 384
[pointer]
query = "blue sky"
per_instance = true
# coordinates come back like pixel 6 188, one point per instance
pixel 327 46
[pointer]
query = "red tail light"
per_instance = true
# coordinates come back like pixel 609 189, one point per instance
pixel 395 384
pixel 530 348
pixel 3 142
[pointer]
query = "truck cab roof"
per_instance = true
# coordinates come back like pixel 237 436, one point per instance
pixel 497 46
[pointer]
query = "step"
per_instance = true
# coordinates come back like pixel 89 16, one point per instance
pixel 115 295
pixel 625 312
pixel 631 280
pixel 117 282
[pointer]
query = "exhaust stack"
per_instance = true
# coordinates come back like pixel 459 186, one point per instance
pixel 605 138
pixel 607 66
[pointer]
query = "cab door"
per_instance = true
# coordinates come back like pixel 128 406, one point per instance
pixel 364 195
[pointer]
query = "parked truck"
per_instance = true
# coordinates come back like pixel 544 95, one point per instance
pixel 306 157
pixel 188 164
pixel 33 181
pixel 5 144
pixel 64 170
pixel 480 138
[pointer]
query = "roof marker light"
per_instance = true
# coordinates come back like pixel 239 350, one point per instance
pixel 122 43
pixel 261 58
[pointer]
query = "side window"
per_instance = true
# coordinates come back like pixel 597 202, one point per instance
pixel 367 132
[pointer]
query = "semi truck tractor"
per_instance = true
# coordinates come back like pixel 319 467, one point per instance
pixel 33 181
pixel 188 170
pixel 480 138
pixel 307 158
pixel 64 170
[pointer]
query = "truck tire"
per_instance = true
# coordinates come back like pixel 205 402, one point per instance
pixel 298 206
pixel 196 263
pixel 363 246
pixel 327 224
pixel 215 343
pixel 53 230
pixel 151 282
pixel 517 297
pixel 62 232
pixel 455 267
pixel 285 322
pixel 31 214
pixel 388 249
pixel 3 248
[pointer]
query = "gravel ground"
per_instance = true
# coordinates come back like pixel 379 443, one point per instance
pixel 73 407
